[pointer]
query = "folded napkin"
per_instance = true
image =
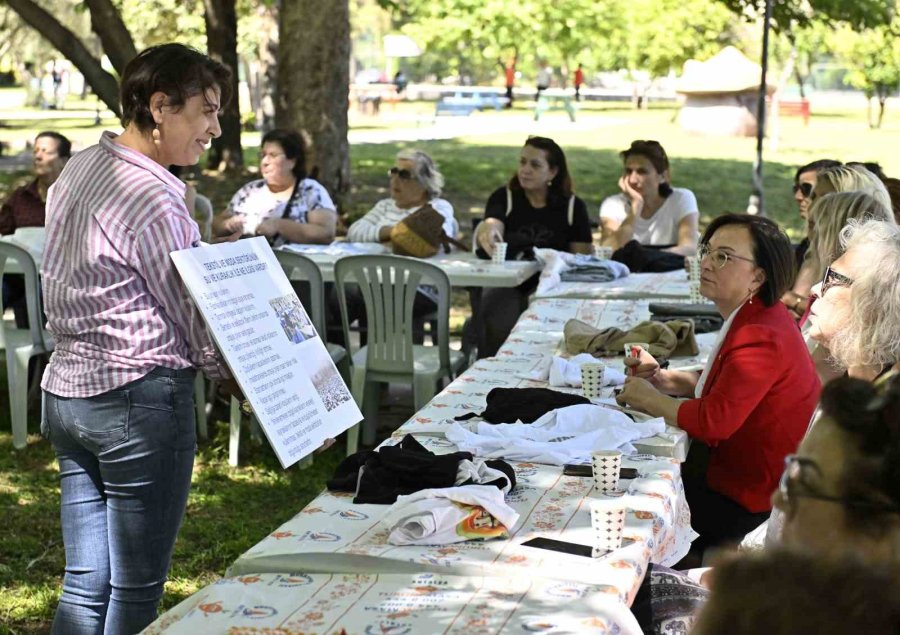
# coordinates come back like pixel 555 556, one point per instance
pixel 576 267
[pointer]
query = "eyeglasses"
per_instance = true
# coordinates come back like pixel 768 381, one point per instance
pixel 400 173
pixel 792 477
pixel 834 279
pixel 718 257
pixel 805 188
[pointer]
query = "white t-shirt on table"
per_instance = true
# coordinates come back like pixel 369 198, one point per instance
pixel 662 227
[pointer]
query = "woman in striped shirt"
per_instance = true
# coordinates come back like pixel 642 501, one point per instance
pixel 119 386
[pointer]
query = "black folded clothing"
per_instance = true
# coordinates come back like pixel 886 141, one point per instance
pixel 379 477
pixel 508 405
pixel 705 316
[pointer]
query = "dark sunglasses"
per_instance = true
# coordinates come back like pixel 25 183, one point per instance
pixel 806 188
pixel 402 174
pixel 834 279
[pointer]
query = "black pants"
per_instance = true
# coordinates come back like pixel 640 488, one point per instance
pixel 719 520
pixel 500 309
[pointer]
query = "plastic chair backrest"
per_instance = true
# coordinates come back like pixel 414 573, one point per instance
pixel 309 271
pixel 389 285
pixel 33 302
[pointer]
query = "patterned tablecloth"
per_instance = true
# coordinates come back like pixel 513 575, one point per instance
pixel 333 535
pixel 672 285
pixel 464 269
pixel 396 604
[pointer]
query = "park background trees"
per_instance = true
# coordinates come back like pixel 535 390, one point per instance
pixel 303 82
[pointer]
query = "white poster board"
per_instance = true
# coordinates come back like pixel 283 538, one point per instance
pixel 269 342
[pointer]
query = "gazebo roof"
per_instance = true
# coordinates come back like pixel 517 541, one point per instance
pixel 729 71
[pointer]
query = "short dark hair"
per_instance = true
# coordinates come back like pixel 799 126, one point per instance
pixel 178 71
pixel 63 145
pixel 871 166
pixel 772 252
pixel 562 185
pixel 869 414
pixel 817 166
pixel 655 154
pixel 294 148
pixel 786 591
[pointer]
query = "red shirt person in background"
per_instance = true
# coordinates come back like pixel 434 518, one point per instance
pixel 579 80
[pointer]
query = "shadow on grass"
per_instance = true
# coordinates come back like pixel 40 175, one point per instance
pixel 229 510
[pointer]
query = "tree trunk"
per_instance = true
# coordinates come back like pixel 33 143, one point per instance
pixel 221 41
pixel 882 99
pixel 798 75
pixel 106 21
pixel 102 83
pixel 313 86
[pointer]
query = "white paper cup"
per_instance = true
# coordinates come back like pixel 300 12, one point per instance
pixel 592 379
pixel 693 267
pixel 607 524
pixel 603 252
pixel 695 296
pixel 605 465
pixel 499 255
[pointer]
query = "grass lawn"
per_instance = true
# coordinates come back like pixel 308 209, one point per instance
pixel 231 509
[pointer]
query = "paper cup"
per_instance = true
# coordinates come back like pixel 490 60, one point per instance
pixel 607 524
pixel 592 379
pixel 695 296
pixel 605 465
pixel 603 253
pixel 693 268
pixel 499 255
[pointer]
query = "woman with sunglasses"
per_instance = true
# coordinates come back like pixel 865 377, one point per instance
pixel 804 182
pixel 844 178
pixel 286 205
pixel 753 401
pixel 415 182
pixel 648 209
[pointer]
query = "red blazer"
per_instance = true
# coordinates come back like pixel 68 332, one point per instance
pixel 756 404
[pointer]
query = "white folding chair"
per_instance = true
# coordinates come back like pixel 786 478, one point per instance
pixel 22 344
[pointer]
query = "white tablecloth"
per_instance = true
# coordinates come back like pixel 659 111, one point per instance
pixel 464 269
pixel 672 285
pixel 396 604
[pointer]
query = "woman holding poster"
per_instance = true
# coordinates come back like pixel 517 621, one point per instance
pixel 119 387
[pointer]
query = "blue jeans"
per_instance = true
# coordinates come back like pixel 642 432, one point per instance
pixel 125 461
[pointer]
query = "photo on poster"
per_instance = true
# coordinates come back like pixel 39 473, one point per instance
pixel 326 380
pixel 293 318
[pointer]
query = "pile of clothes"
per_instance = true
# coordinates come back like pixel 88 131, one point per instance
pixel 436 499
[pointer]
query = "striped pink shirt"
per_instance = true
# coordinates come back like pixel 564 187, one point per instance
pixel 115 303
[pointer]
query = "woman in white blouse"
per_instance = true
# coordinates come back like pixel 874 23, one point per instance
pixel 285 205
pixel 649 209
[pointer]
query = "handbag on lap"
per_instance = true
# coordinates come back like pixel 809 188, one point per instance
pixel 421 234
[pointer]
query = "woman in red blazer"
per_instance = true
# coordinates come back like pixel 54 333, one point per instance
pixel 752 403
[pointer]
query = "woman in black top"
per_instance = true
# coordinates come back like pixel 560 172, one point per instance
pixel 537 208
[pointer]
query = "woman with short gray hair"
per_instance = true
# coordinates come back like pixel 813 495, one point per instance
pixel 415 181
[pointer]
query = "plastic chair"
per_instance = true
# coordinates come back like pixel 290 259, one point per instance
pixel 292 262
pixel 388 285
pixel 22 344
pixel 203 214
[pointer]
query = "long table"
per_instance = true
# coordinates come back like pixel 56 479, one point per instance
pixel 463 268
pixel 331 566
pixel 660 287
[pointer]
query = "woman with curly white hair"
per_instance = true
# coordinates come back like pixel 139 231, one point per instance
pixel 856 315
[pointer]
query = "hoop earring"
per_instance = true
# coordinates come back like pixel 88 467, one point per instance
pixel 157 136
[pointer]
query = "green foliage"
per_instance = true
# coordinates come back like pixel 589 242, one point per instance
pixel 470 36
pixel 787 14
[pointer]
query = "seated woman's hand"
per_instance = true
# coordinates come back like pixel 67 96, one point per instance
pixel 644 366
pixel 488 235
pixel 268 228
pixel 233 224
pixel 637 393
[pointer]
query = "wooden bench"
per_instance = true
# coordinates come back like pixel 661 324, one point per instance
pixel 463 103
pixel 795 108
